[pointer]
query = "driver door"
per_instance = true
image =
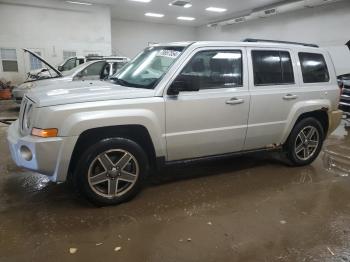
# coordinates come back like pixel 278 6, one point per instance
pixel 214 119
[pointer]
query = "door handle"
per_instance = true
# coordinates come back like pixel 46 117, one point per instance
pixel 234 101
pixel 290 97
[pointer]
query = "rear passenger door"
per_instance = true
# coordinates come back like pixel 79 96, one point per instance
pixel 274 91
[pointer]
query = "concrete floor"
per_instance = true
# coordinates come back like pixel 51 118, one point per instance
pixel 250 208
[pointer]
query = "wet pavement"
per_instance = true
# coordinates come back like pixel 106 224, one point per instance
pixel 251 208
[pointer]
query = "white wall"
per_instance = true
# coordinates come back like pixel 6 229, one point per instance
pixel 51 31
pixel 328 26
pixel 130 37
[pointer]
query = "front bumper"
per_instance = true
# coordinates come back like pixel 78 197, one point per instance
pixel 334 118
pixel 48 156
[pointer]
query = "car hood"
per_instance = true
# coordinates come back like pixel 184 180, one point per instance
pixel 43 83
pixel 84 91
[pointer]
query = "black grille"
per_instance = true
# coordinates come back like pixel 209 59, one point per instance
pixel 344 103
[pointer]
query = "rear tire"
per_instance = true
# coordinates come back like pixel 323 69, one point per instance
pixel 304 142
pixel 111 171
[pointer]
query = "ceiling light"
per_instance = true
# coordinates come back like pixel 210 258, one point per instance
pixel 154 15
pixel 186 18
pixel 181 3
pixel 78 3
pixel 216 9
pixel 141 1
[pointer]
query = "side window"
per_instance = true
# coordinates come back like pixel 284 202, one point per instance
pixel 94 69
pixel 313 67
pixel 272 67
pixel 69 64
pixel 214 69
pixel 9 60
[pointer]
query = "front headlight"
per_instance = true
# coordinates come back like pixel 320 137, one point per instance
pixel 27 117
pixel 28 85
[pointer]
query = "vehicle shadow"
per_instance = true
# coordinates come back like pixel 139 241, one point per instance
pixel 174 173
pixel 23 188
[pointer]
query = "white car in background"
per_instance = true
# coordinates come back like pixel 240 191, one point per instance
pixel 71 62
pixel 93 70
pixel 74 61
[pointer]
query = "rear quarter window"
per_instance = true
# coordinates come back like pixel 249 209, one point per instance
pixel 313 68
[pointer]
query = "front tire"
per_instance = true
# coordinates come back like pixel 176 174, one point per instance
pixel 111 171
pixel 305 142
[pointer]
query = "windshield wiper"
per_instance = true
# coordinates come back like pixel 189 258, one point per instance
pixel 126 83
pixel 122 82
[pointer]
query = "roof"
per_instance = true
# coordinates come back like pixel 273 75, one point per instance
pixel 240 43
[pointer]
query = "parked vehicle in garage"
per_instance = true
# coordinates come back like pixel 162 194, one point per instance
pixel 74 61
pixel 70 63
pixel 93 70
pixel 178 102
pixel 344 84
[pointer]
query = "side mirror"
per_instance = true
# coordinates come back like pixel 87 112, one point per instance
pixel 60 68
pixel 180 85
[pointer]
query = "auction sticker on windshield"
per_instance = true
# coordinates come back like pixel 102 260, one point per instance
pixel 169 53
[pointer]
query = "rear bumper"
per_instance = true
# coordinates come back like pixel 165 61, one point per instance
pixel 334 118
pixel 48 156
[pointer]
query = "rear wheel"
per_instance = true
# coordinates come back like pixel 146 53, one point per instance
pixel 111 171
pixel 305 142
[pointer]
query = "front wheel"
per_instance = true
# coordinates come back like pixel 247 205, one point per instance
pixel 111 171
pixel 305 142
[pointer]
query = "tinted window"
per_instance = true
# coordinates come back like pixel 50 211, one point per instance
pixel 313 67
pixel 214 69
pixel 272 68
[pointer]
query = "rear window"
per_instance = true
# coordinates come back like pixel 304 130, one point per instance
pixel 272 67
pixel 313 67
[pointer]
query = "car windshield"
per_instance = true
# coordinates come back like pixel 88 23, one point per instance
pixel 148 68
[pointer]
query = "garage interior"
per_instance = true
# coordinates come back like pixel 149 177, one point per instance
pixel 250 207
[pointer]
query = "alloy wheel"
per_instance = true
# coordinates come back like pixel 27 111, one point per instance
pixel 306 143
pixel 113 173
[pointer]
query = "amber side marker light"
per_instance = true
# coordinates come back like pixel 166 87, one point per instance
pixel 51 132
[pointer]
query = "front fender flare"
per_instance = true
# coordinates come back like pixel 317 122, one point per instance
pixel 79 122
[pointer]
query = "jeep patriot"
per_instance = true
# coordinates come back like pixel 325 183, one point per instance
pixel 177 102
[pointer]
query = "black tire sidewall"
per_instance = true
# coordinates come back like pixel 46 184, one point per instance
pixel 81 171
pixel 310 121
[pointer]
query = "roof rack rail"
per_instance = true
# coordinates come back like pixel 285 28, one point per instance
pixel 277 41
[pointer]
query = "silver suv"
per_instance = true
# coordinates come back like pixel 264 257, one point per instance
pixel 175 102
